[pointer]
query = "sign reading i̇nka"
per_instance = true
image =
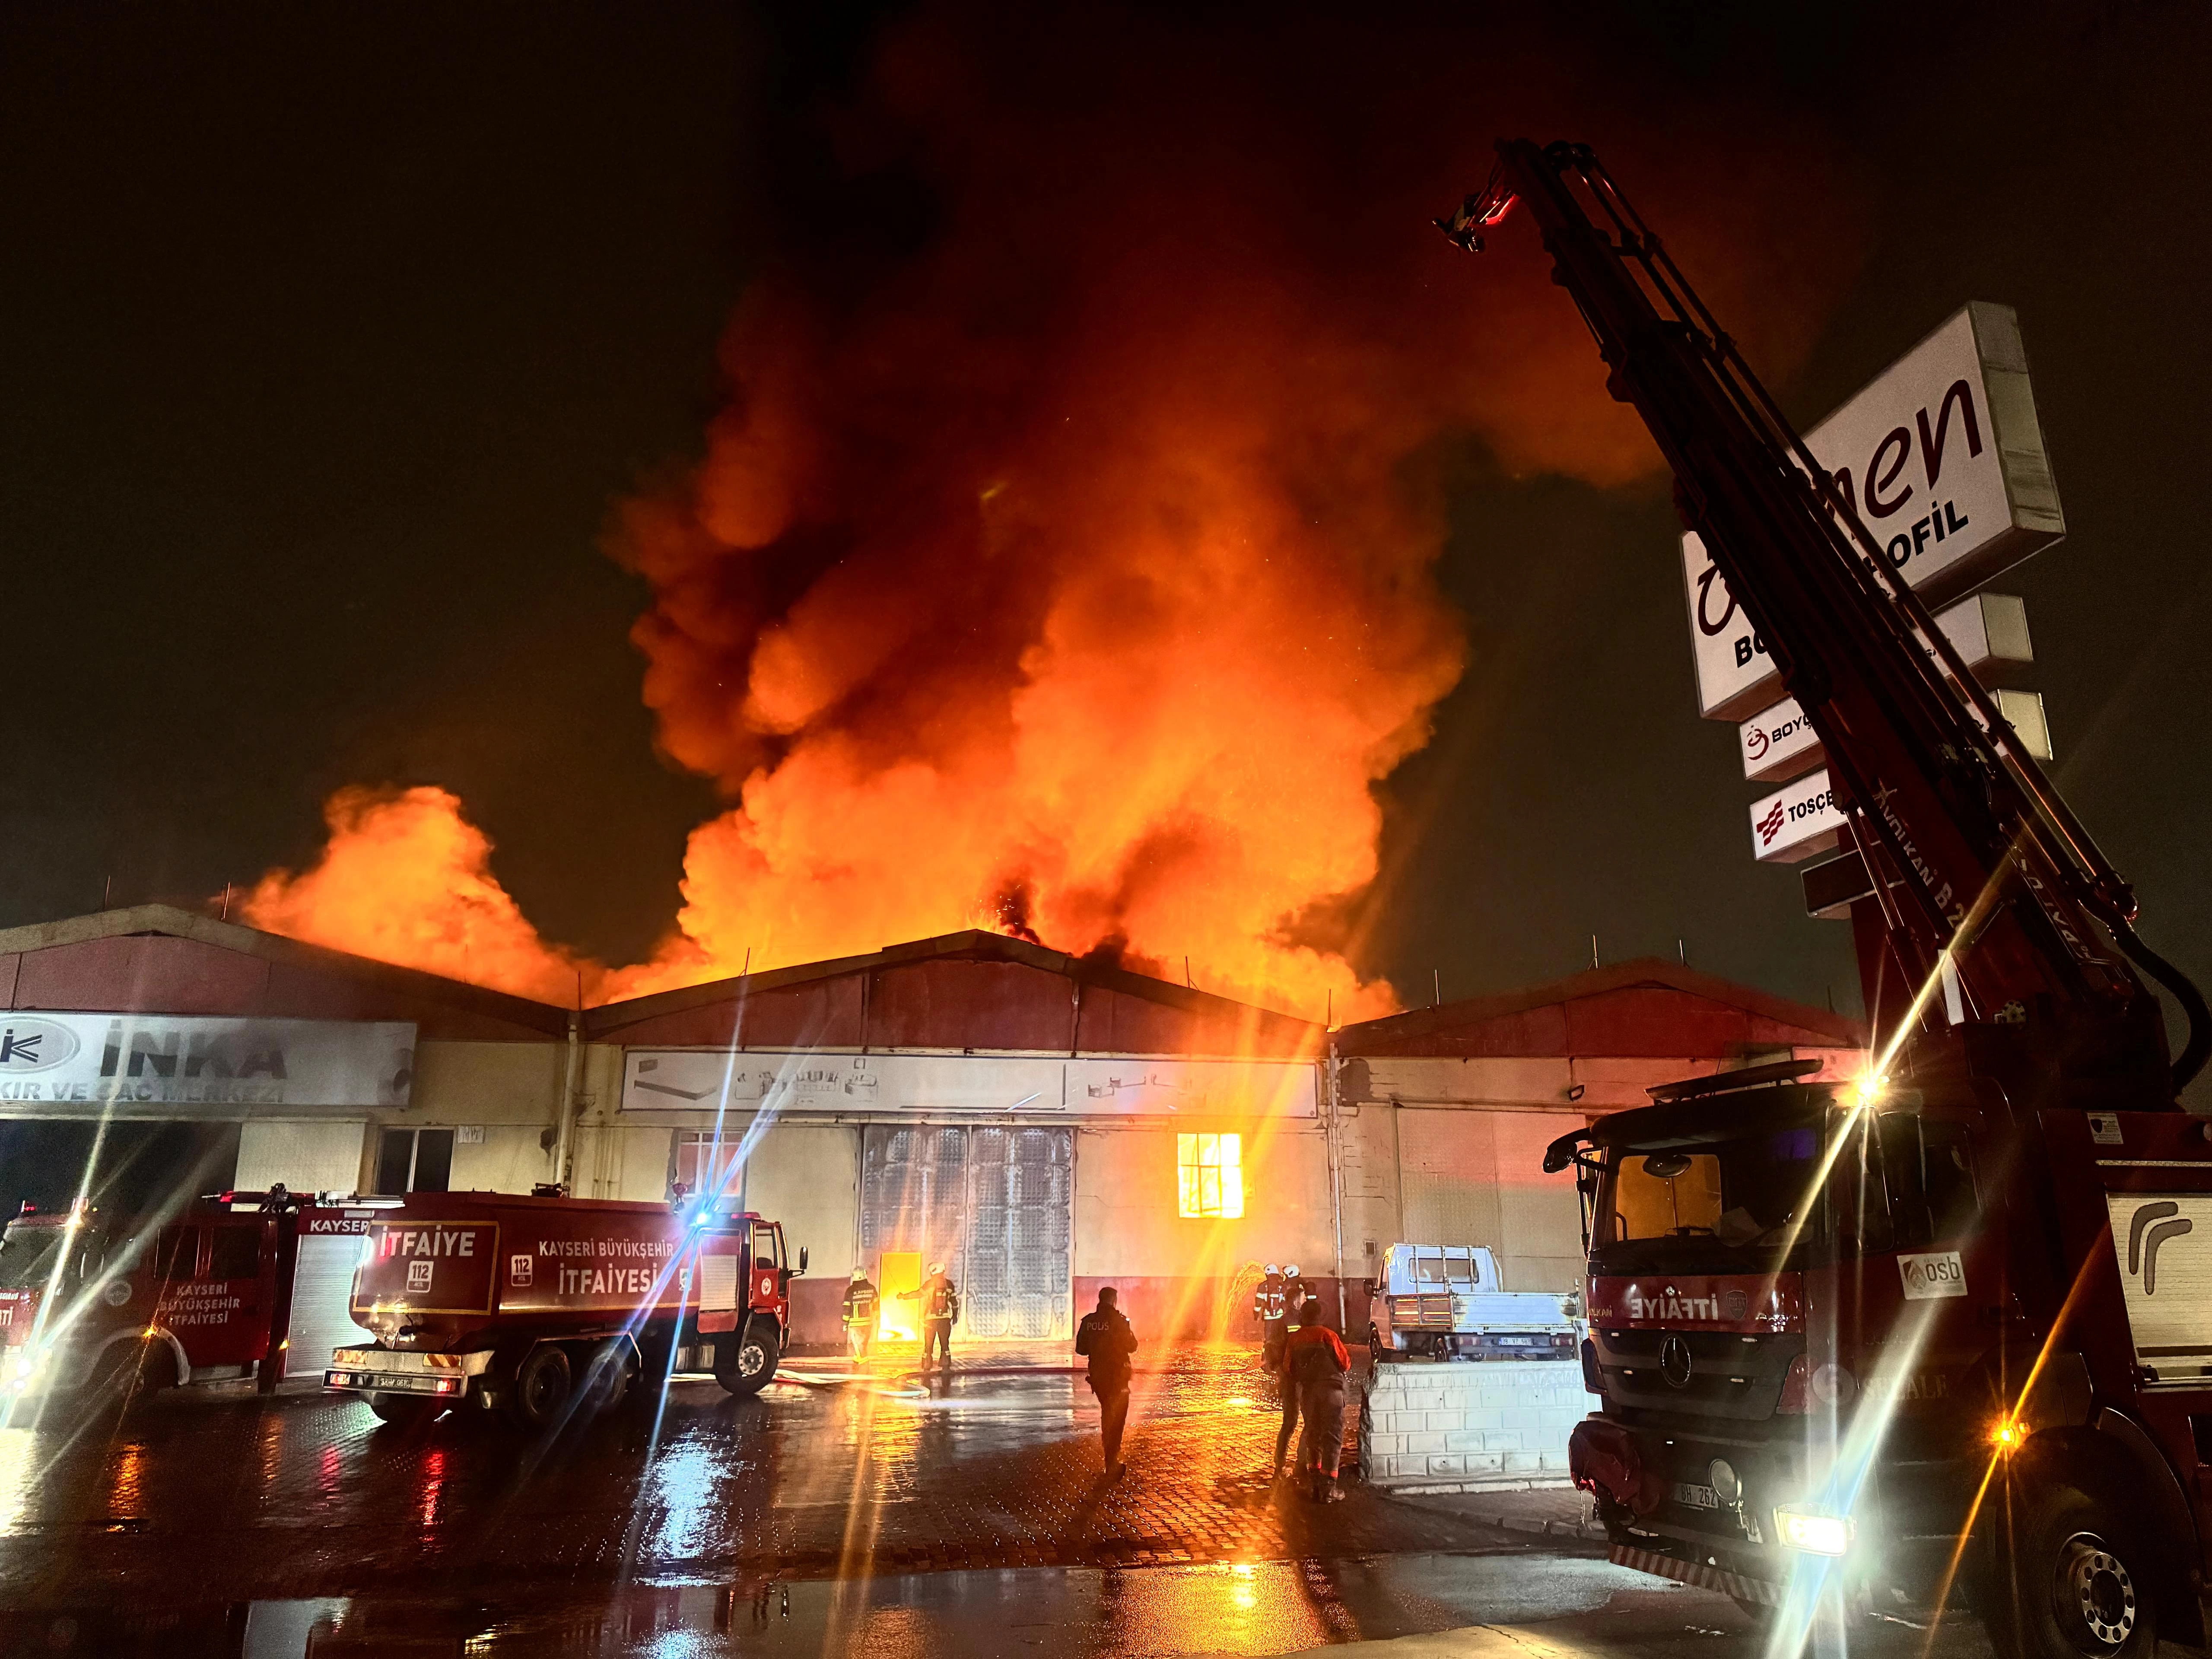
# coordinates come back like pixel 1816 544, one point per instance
pixel 1943 456
pixel 108 1061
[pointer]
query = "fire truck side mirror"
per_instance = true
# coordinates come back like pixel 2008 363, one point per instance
pixel 802 1258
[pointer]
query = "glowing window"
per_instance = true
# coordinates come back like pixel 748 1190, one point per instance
pixel 1210 1177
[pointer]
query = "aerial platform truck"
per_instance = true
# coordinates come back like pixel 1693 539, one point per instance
pixel 1949 1327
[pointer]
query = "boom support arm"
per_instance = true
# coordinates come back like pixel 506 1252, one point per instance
pixel 1980 869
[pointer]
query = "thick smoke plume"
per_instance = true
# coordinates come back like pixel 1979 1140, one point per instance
pixel 1062 560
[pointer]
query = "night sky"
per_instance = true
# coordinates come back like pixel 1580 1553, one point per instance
pixel 331 338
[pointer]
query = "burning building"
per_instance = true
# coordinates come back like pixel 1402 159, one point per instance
pixel 1044 1123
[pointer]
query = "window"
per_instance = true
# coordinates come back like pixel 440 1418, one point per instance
pixel 414 1161
pixel 233 1251
pixel 707 1162
pixel 177 1253
pixel 764 1250
pixel 1210 1177
pixel 1931 1169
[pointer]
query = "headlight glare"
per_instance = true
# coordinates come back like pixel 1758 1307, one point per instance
pixel 1812 1531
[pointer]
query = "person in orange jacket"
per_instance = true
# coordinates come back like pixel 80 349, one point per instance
pixel 1316 1366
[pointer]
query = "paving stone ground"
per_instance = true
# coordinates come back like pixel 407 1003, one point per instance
pixel 223 1496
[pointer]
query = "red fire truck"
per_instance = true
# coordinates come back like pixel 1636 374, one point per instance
pixel 85 1298
pixel 535 1306
pixel 1952 1324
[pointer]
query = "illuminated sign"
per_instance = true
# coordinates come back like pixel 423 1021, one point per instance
pixel 110 1061
pixel 1795 822
pixel 1942 455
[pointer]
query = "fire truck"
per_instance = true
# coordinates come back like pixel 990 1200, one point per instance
pixel 86 1298
pixel 539 1307
pixel 1949 1326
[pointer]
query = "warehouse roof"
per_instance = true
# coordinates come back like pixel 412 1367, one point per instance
pixel 158 958
pixel 974 989
pixel 1647 1006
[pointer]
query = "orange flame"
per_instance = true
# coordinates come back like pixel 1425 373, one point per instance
pixel 1064 557
pixel 406 879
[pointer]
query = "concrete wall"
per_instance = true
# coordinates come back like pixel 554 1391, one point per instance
pixel 808 1177
pixel 1178 1276
pixel 1458 1427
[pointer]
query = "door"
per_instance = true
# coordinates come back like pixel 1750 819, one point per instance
pixel 995 1204
pixel 1020 1221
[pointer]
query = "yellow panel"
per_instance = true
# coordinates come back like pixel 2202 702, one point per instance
pixel 902 1271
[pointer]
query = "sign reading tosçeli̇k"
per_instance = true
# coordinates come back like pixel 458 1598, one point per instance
pixel 101 1062
pixel 1943 456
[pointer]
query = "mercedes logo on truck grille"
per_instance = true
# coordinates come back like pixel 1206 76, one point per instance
pixel 1674 1362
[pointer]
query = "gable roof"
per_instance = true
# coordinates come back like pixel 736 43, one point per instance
pixel 1648 1006
pixel 974 988
pixel 160 958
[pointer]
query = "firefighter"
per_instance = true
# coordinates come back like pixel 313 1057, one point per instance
pixel 940 1311
pixel 1315 1368
pixel 1105 1340
pixel 860 1302
pixel 1286 1387
pixel 1268 1310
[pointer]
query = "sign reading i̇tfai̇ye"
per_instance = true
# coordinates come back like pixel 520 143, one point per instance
pixel 1943 456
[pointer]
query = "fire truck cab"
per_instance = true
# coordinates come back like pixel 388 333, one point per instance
pixel 87 1299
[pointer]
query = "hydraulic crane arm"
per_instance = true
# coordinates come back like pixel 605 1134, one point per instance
pixel 1980 869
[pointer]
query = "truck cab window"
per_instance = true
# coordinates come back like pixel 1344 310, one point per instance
pixel 1929 1167
pixel 1667 1196
pixel 28 1257
pixel 765 1253
pixel 177 1255
pixel 234 1253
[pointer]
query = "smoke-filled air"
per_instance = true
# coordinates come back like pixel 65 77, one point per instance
pixel 1061 561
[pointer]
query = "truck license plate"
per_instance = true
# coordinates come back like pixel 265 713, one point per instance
pixel 1696 1498
pixel 1515 1341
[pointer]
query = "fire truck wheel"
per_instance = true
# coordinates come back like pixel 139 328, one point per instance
pixel 404 1411
pixel 609 1375
pixel 541 1387
pixel 746 1372
pixel 2082 1585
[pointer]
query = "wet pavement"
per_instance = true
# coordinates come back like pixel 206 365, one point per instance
pixel 308 1495
pixel 828 1516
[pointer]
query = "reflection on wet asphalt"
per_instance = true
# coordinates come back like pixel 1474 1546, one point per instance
pixel 238 1498
pixel 873 1517
pixel 1406 1607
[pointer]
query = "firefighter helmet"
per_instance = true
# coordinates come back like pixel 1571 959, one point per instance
pixel 1273 1271
pixel 1291 1272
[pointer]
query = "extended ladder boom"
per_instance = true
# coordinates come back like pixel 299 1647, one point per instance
pixel 1981 871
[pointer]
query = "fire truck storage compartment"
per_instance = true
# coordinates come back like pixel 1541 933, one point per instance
pixel 997 1205
pixel 322 1290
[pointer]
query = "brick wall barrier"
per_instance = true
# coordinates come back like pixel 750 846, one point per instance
pixel 1469 1425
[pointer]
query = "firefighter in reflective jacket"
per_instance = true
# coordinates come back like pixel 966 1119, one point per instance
pixel 859 1313
pixel 940 1311
pixel 1267 1313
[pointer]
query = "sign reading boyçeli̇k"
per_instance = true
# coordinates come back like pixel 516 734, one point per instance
pixel 1943 456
